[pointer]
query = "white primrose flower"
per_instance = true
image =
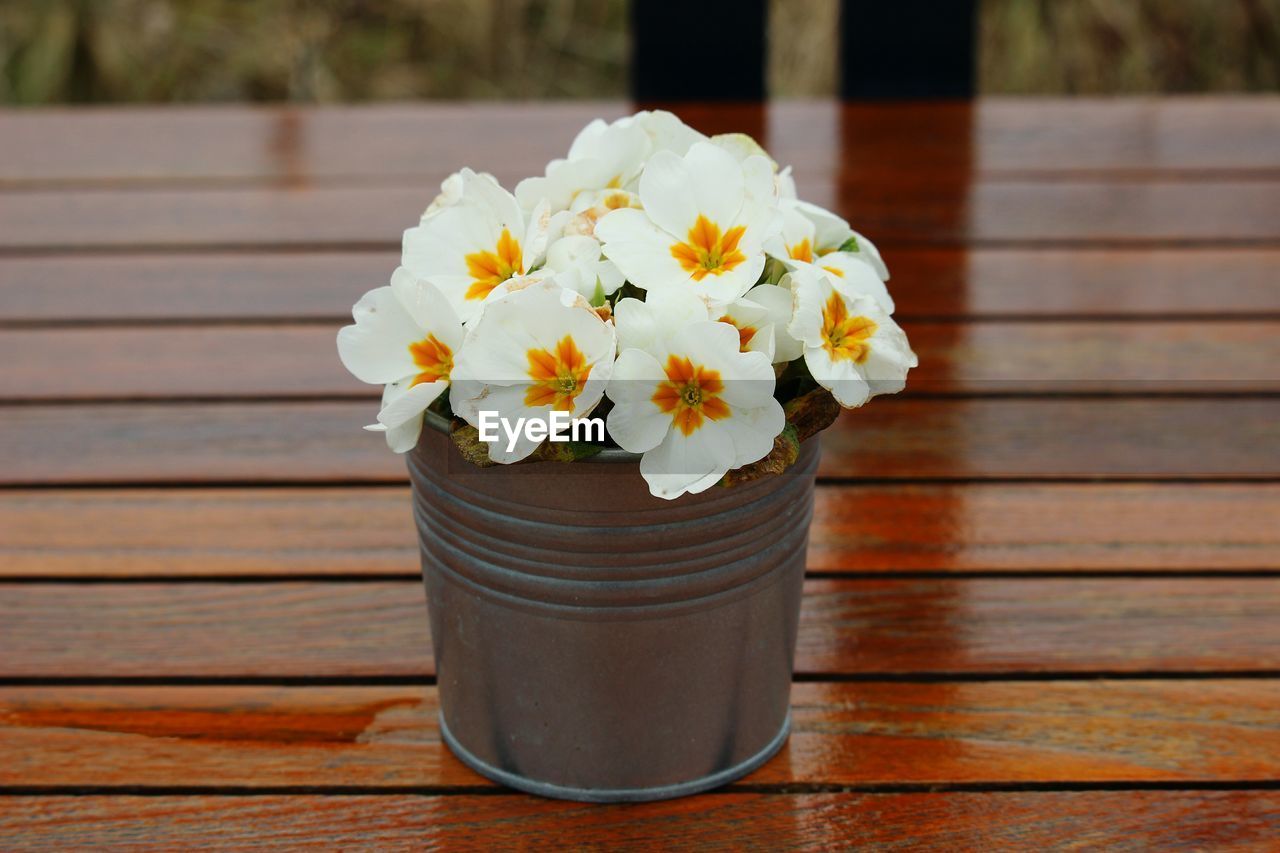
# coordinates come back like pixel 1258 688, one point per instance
pixel 810 232
pixel 852 346
pixel 578 265
pixel 761 318
pixel 405 337
pixel 695 406
pixel 643 325
pixel 537 347
pixel 854 275
pixel 705 220
pixel 603 156
pixel 471 246
pixel 588 208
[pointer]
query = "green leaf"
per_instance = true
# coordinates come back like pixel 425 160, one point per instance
pixel 598 298
pixel 850 245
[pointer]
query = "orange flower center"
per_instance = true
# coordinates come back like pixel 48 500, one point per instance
pixel 433 358
pixel 490 269
pixel 558 377
pixel 801 251
pixel 745 333
pixel 690 394
pixel 845 337
pixel 708 252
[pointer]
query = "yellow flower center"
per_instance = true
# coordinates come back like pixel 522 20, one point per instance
pixel 558 377
pixel 801 251
pixel 433 358
pixel 690 394
pixel 845 337
pixel 490 269
pixel 707 251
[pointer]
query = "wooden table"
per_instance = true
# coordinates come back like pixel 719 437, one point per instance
pixel 1044 605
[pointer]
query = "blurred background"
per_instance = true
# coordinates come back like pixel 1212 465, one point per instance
pixel 112 51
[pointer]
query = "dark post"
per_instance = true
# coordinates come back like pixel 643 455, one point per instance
pixel 907 48
pixel 697 50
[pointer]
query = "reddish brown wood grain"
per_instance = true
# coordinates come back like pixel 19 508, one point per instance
pixel 953 821
pixel 862 735
pixel 941 283
pixel 993 358
pixel 283 532
pixel 288 144
pixel 892 626
pixel 945 212
pixel 903 439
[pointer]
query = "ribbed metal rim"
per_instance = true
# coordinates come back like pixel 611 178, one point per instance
pixel 439 423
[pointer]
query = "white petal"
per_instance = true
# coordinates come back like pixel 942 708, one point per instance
pixel 640 249
pixel 776 302
pixel 718 184
pixel 402 401
pixel 830 230
pixel 428 307
pixel 376 348
pixel 667 132
pixel 688 463
pixel 668 194
pixel 753 431
pixel 840 377
pixel 868 250
pixel 808 292
pixel 853 276
pixel 404 437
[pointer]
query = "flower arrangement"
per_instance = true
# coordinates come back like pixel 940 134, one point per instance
pixel 669 282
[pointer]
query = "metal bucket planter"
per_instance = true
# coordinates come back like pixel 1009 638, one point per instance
pixel 595 643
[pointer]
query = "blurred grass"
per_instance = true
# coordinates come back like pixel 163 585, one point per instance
pixel 55 51
pixel 1105 46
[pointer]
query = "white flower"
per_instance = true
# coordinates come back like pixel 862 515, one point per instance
pixel 589 207
pixel 695 406
pixel 603 156
pixel 578 265
pixel 855 276
pixel 474 244
pixel 705 220
pixel 536 348
pixel 809 232
pixel 643 325
pixel 852 347
pixel 405 337
pixel 761 318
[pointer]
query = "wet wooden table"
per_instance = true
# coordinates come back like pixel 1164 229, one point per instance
pixel 1044 605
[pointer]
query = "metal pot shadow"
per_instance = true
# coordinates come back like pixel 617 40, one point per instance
pixel 595 643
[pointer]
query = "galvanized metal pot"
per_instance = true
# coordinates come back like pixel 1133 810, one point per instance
pixel 595 643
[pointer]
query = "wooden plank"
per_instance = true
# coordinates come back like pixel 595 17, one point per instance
pixel 898 439
pixel 892 626
pixel 843 734
pixel 988 136
pixel 918 212
pixel 992 358
pixel 934 283
pixel 319 285
pixel 1045 820
pixel 987 527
